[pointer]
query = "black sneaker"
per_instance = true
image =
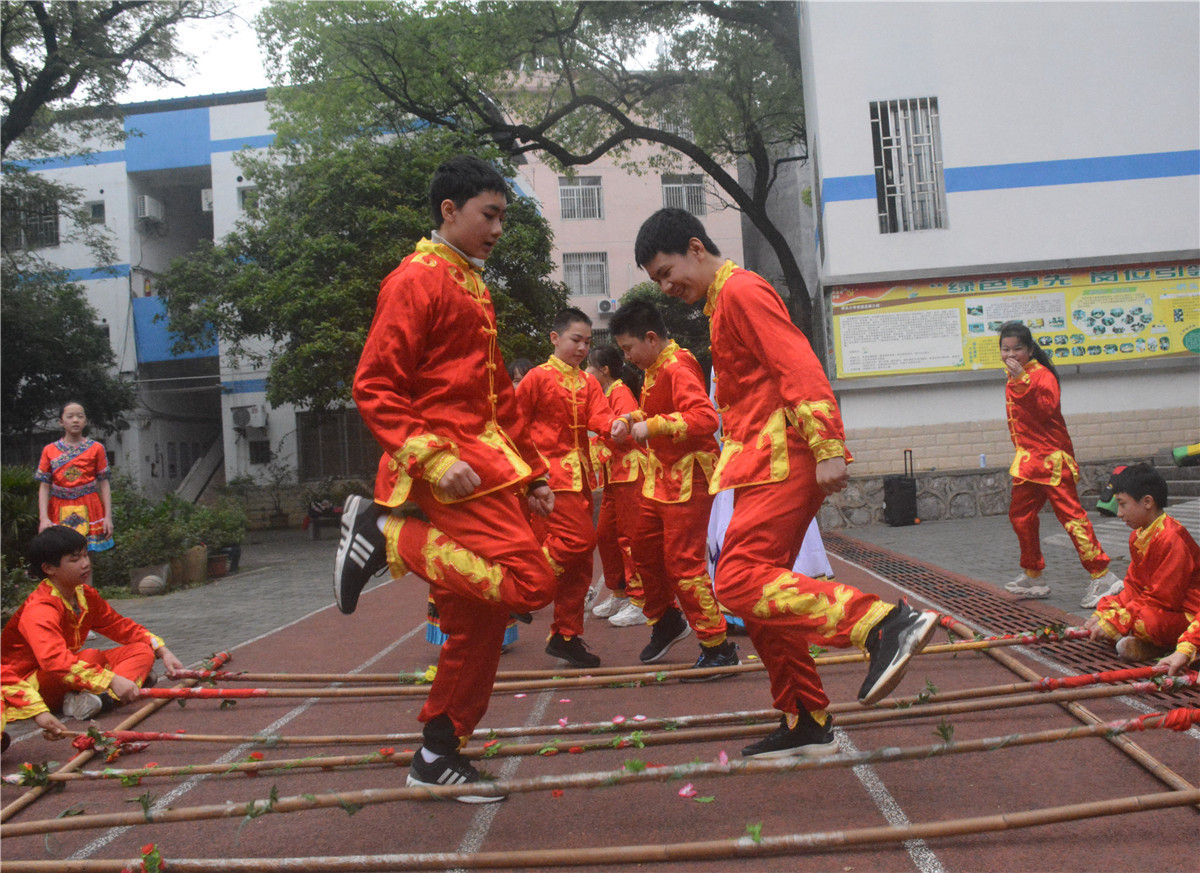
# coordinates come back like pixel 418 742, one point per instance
pixel 574 651
pixel 448 770
pixel 724 655
pixel 902 633
pixel 522 617
pixel 361 553
pixel 806 738
pixel 666 632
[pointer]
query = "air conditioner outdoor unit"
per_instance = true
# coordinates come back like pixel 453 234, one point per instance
pixel 607 306
pixel 206 199
pixel 249 416
pixel 148 207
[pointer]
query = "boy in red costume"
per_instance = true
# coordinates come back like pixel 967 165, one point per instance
pixel 559 404
pixel 675 423
pixel 42 660
pixel 783 451
pixel 433 390
pixel 1162 586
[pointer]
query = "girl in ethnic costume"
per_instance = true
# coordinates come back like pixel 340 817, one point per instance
pixel 73 482
pixel 1044 468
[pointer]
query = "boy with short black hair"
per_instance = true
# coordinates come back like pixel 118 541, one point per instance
pixel 434 391
pixel 675 422
pixel 42 659
pixel 559 404
pixel 783 451
pixel 1162 586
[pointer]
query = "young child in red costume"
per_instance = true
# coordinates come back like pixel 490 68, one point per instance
pixel 559 404
pixel 1161 596
pixel 73 487
pixel 433 390
pixel 618 508
pixel 675 422
pixel 783 451
pixel 43 665
pixel 1044 468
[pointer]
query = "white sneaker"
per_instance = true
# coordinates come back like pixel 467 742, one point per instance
pixel 1026 586
pixel 1131 648
pixel 593 593
pixel 81 705
pixel 1101 586
pixel 610 607
pixel 629 615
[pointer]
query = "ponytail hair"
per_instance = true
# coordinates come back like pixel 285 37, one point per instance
pixel 1018 331
pixel 612 358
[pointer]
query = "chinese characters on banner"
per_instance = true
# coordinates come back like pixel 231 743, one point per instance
pixel 1078 317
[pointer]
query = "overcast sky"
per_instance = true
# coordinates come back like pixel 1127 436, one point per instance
pixel 227 59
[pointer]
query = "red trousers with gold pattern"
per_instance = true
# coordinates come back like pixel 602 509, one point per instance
pixel 568 535
pixel 133 662
pixel 1122 614
pixel 482 562
pixel 614 536
pixel 784 611
pixel 1028 498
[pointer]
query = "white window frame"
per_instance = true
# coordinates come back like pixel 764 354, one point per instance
pixel 580 198
pixel 586 273
pixel 910 185
pixel 684 192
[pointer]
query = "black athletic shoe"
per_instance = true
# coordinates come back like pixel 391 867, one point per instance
pixel 574 651
pixel 666 632
pixel 902 633
pixel 806 738
pixel 522 617
pixel 724 655
pixel 361 553
pixel 448 770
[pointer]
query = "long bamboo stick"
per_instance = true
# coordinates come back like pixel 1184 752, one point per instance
pixel 86 755
pixel 729 848
pixel 370 796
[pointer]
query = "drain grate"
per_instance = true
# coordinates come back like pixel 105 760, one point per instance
pixel 987 607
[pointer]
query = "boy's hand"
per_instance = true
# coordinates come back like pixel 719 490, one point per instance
pixel 1176 663
pixel 620 430
pixel 459 481
pixel 640 432
pixel 173 664
pixel 52 728
pixel 44 523
pixel 832 475
pixel 541 500
pixel 125 689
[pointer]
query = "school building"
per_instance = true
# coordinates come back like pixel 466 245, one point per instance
pixel 981 162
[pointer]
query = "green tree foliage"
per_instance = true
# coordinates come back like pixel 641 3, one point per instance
pixel 294 286
pixel 687 325
pixel 566 79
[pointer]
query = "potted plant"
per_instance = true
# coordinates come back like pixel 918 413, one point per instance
pixel 229 525
pixel 279 476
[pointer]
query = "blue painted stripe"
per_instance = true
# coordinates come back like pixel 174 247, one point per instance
pixel 1035 174
pixel 244 386
pixel 89 274
pixel 238 143
pixel 59 162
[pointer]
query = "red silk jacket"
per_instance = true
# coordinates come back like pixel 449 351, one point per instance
pixel 559 404
pixel 773 396
pixel 1164 567
pixel 431 384
pixel 45 633
pixel 681 419
pixel 1035 424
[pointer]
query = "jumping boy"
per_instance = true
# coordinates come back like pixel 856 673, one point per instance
pixel 1162 586
pixel 783 451
pixel 42 660
pixel 433 390
pixel 675 422
pixel 559 403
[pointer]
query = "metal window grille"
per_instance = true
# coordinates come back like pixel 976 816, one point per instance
pixel 909 182
pixel 586 272
pixel 678 126
pixel 335 443
pixel 684 192
pixel 601 336
pixel 581 197
pixel 33 225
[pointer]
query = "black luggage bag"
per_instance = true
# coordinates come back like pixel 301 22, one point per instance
pixel 900 495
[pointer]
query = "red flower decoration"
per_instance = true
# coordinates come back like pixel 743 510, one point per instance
pixel 557 792
pixel 256 756
pixel 387 751
pixel 83 742
pixel 575 750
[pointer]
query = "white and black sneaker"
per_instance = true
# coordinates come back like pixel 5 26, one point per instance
pixel 448 770
pixel 805 737
pixel 665 632
pixel 361 552
pixel 891 643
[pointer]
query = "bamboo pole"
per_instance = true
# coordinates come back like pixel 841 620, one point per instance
pixel 739 846
pixel 1147 761
pixel 84 756
pixel 371 796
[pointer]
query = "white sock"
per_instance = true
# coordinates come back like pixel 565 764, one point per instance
pixel 429 756
pixel 380 522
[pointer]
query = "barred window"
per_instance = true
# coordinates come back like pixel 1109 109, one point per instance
pixel 33 224
pixel 335 443
pixel 581 197
pixel 909 182
pixel 586 272
pixel 676 125
pixel 684 192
